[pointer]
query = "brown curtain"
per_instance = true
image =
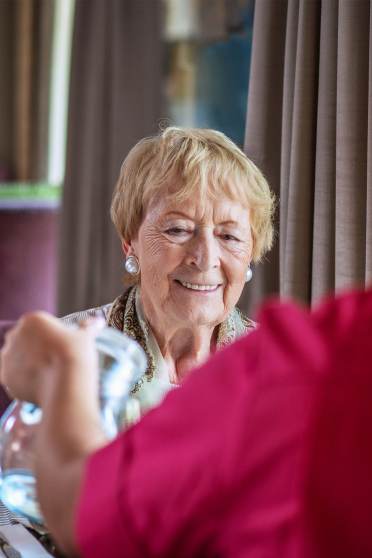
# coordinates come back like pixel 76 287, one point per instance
pixel 309 128
pixel 26 28
pixel 115 99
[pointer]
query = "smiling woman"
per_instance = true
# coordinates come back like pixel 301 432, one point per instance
pixel 195 260
pixel 192 212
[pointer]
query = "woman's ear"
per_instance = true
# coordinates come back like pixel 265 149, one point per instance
pixel 127 248
pixel 253 242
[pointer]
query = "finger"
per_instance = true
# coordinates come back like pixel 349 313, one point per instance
pixel 9 334
pixel 93 324
pixel 3 364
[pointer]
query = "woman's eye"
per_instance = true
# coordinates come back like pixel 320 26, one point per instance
pixel 176 231
pixel 229 237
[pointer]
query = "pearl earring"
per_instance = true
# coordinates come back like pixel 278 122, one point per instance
pixel 132 265
pixel 248 275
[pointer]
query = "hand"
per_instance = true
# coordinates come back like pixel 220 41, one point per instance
pixel 40 347
pixel 56 367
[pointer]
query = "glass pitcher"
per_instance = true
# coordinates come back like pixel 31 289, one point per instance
pixel 121 363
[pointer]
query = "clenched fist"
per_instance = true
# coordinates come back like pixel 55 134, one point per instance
pixel 39 349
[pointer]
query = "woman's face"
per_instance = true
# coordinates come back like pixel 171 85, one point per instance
pixel 193 258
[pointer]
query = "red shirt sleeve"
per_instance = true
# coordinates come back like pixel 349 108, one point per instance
pixel 222 460
pixel 158 486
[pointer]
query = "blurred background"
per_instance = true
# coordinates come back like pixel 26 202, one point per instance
pixel 80 82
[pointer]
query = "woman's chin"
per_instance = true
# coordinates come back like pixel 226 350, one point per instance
pixel 192 315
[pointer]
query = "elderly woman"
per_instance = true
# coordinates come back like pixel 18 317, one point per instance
pixel 192 212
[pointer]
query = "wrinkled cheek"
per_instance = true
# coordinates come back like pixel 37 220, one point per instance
pixel 155 282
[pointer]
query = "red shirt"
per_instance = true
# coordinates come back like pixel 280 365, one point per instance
pixel 220 469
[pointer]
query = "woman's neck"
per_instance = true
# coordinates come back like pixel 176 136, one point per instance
pixel 184 348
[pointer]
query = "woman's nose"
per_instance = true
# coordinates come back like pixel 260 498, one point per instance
pixel 203 252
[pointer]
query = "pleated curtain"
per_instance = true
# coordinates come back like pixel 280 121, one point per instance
pixel 115 99
pixel 26 33
pixel 309 129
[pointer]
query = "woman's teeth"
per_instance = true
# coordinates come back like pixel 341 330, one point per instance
pixel 198 287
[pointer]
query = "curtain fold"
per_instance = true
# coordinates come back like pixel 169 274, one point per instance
pixel 264 128
pixel 323 273
pixel 26 29
pixel 351 147
pixel 115 99
pixel 309 103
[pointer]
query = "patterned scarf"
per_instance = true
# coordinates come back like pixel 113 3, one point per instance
pixel 123 316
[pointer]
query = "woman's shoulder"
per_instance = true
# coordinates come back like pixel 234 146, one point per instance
pixel 98 312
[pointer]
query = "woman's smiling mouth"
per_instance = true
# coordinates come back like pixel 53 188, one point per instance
pixel 197 286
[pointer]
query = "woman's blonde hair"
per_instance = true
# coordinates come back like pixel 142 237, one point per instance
pixel 186 162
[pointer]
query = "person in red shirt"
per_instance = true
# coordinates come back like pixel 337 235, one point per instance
pixel 254 456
